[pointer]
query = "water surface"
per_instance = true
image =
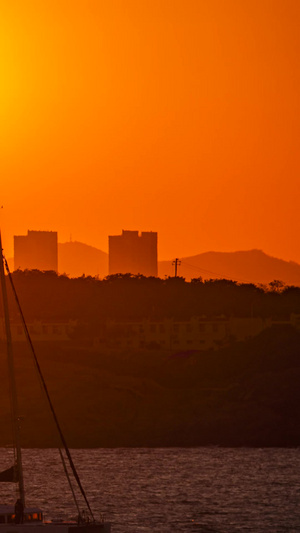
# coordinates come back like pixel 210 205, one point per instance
pixel 171 490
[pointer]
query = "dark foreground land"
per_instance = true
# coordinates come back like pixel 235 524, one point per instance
pixel 247 394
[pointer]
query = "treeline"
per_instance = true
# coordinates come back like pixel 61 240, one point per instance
pixel 48 296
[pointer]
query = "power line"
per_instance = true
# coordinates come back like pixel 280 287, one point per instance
pixel 214 273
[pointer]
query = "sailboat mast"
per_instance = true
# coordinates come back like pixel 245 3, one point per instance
pixel 11 371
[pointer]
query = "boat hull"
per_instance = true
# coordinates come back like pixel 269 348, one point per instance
pixel 61 527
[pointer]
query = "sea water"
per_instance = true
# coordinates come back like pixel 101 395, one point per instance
pixel 170 490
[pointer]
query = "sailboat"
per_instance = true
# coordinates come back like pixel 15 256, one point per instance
pixel 17 517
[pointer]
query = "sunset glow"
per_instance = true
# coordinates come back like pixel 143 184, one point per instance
pixel 180 117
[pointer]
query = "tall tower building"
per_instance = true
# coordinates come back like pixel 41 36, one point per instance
pixel 133 253
pixel 36 250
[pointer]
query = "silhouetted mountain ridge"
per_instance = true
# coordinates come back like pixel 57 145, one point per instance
pixel 76 258
pixel 255 266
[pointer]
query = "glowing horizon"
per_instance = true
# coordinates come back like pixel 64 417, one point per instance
pixel 176 117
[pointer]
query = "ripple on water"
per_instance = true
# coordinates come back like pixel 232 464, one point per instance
pixel 171 490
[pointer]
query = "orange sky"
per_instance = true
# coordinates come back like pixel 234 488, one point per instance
pixel 177 116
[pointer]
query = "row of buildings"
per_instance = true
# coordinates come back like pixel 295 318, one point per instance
pixel 129 252
pixel 199 333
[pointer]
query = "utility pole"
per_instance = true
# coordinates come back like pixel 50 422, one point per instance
pixel 176 262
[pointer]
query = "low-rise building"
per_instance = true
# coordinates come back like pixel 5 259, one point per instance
pixel 198 333
pixel 40 331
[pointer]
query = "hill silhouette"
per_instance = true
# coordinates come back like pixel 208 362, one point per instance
pixel 252 266
pixel 76 258
pixel 255 266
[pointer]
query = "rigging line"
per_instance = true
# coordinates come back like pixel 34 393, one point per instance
pixel 69 480
pixel 13 430
pixel 215 273
pixel 11 371
pixel 61 454
pixel 59 450
pixel 47 392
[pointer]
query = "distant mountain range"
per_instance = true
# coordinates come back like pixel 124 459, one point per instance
pixel 247 266
pixel 76 258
